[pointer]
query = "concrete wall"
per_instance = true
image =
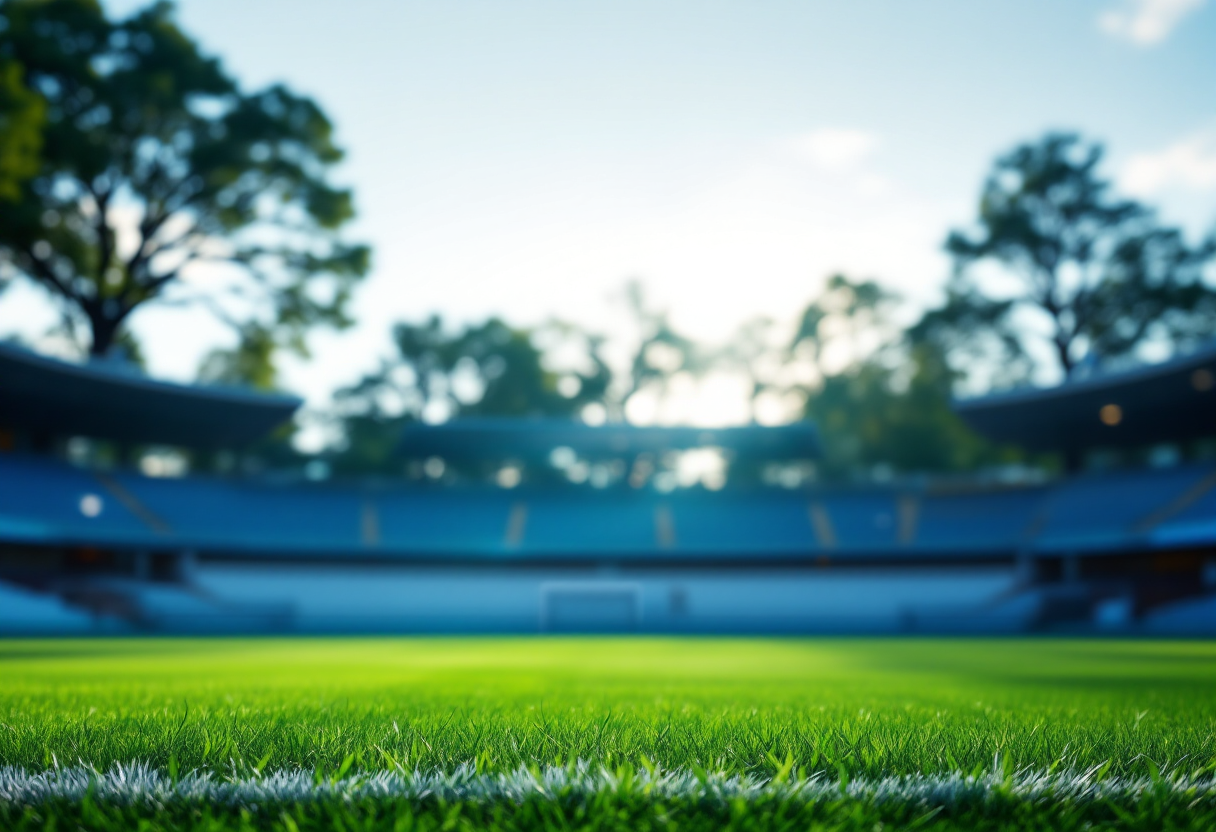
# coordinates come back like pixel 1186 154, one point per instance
pixel 327 598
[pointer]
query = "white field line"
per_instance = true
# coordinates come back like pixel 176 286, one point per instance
pixel 143 784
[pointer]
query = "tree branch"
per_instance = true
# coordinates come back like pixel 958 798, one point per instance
pixel 105 235
pixel 43 272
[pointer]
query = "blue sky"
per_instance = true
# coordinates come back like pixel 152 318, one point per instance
pixel 525 158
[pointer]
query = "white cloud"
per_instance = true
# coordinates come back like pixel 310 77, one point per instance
pixel 1146 22
pixel 1188 164
pixel 834 149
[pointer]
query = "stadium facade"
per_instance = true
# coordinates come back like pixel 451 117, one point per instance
pixel 85 551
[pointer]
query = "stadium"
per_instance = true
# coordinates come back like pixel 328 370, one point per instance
pixel 607 417
pixel 1131 550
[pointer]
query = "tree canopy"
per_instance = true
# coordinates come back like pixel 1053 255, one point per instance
pixel 490 369
pixel 134 170
pixel 879 400
pixel 1090 275
pixel 22 114
pixel 250 363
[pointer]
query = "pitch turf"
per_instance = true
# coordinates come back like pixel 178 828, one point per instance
pixel 607 733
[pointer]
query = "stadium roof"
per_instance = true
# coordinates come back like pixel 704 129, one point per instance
pixel 51 397
pixel 536 438
pixel 1173 401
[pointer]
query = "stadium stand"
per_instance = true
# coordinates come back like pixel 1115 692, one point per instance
pixel 206 513
pixel 48 501
pixel 860 521
pixel 23 610
pixel 425 522
pixel 1112 511
pixel 764 524
pixel 626 524
pixel 84 550
pixel 1174 401
pixel 480 439
pixel 45 397
pixel 1190 519
pixel 977 519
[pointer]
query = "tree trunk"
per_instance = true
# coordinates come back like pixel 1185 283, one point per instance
pixel 104 332
pixel 1066 363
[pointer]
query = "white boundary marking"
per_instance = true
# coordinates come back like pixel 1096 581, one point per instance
pixel 140 783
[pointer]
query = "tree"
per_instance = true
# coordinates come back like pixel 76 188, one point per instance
pixel 1100 272
pixel 250 363
pixel 22 114
pixel 660 354
pixel 154 163
pixel 754 354
pixel 490 369
pixel 874 416
pixel 848 321
pixel 878 399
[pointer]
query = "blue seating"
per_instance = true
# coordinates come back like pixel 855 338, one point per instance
pixel 47 500
pixel 746 524
pixel 607 522
pixel 1107 511
pixel 432 522
pixel 209 512
pixel 863 521
pixel 976 521
pixel 1195 523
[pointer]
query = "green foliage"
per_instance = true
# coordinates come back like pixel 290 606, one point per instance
pixel 251 363
pixel 855 306
pixel 155 164
pixel 866 418
pixel 889 405
pixel 660 354
pixel 1101 271
pixel 483 370
pixel 22 114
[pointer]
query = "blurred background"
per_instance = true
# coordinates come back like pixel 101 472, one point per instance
pixel 838 236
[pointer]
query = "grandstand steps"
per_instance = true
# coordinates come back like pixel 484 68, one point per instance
pixel 121 604
pixel 204 554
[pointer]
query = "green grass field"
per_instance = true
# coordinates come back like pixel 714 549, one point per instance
pixel 814 728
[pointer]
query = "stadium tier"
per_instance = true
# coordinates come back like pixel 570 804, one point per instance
pixel 1174 401
pixel 87 550
pixel 45 398
pixel 321 557
pixel 45 502
pixel 479 439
